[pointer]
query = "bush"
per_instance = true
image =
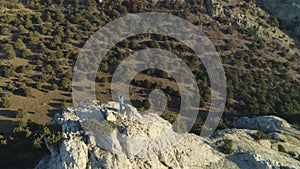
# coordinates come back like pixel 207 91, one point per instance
pixel 175 119
pixel 227 147
pixel 52 133
pixel 281 148
pixel 5 31
pixel 260 135
pixel 298 158
pixel 171 117
pixel 54 87
pixel 3 142
pixel 28 92
pixel 11 54
pixel 64 104
pixel 37 143
pixel 146 104
pixel 101 128
pixel 292 153
pixel 39 85
pixel 6 103
pixel 21 113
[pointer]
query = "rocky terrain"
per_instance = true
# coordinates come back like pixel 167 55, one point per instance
pixel 287 11
pixel 253 17
pixel 40 41
pixel 97 136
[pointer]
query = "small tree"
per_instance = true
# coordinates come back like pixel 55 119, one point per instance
pixel 28 23
pixel 10 86
pixel 64 104
pixel 23 86
pixel 66 83
pixel 54 87
pixel 6 103
pixel 19 44
pixel 261 135
pixel 227 146
pixel 39 85
pixel 21 113
pixel 28 92
pixel 3 142
pixel 11 54
pixel 281 148
pixel 5 31
pixel 276 22
pixel 146 104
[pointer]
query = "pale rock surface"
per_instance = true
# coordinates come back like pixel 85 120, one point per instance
pixel 264 123
pixel 148 141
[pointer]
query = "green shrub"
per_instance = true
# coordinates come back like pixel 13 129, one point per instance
pixel 3 142
pixel 227 147
pixel 54 87
pixel 180 126
pixel 298 158
pixel 64 104
pixel 292 153
pixel 101 128
pixel 222 126
pixel 39 85
pixel 54 138
pixel 260 135
pixel 52 133
pixel 175 119
pixel 37 143
pixel 28 92
pixel 146 104
pixel 284 167
pixel 171 117
pixel 6 103
pixel 281 148
pixel 21 113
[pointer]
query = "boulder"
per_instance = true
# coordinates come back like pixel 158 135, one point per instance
pixel 148 141
pixel 264 123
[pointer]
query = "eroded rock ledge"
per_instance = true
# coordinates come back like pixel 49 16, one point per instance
pixel 135 140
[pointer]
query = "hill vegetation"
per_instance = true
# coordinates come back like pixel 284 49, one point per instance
pixel 41 39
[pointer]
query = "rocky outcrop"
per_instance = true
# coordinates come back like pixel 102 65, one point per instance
pixel 287 11
pixel 263 123
pixel 247 15
pixel 97 135
pixel 250 153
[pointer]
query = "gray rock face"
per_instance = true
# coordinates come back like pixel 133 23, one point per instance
pixel 246 15
pixel 287 11
pixel 264 123
pixel 147 141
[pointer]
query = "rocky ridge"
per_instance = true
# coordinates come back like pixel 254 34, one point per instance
pixel 287 11
pixel 135 140
pixel 247 15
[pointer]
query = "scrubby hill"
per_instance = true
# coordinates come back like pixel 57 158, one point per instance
pixel 40 41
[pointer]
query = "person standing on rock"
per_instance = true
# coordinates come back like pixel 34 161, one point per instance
pixel 121 101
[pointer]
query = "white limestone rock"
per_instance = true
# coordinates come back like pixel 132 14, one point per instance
pixel 148 141
pixel 264 123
